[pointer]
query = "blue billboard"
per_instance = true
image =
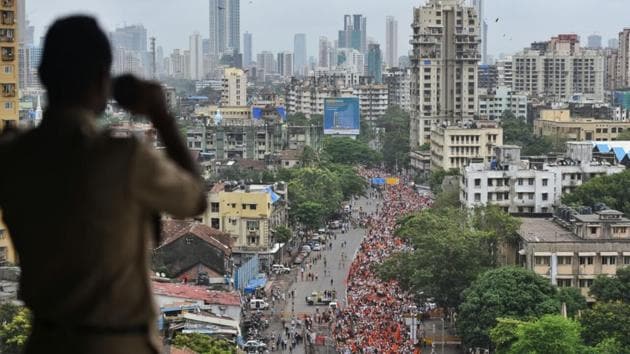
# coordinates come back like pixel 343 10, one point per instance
pixel 341 116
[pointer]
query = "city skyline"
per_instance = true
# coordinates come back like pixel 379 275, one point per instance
pixel 518 24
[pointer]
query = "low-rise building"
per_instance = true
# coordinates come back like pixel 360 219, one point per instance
pixel 398 81
pixel 521 187
pixel 494 103
pixel 571 249
pixel 558 125
pixel 191 250
pixel 249 214
pixel 456 146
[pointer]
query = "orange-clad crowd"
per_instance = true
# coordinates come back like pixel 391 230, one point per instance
pixel 372 321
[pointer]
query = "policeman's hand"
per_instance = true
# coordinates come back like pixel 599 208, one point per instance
pixel 141 97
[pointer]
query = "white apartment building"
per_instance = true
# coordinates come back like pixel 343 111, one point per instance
pixel 493 104
pixel 444 66
pixel 398 81
pixel 373 101
pixel 234 92
pixel 504 72
pixel 623 60
pixel 458 146
pixel 558 75
pixel 518 187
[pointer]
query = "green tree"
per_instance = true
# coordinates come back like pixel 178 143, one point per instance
pixel 548 334
pixel 607 320
pixel 203 344
pixel 573 299
pixel 610 346
pixel 511 292
pixel 349 151
pixel 282 234
pixel 15 328
pixel 310 214
pixel 316 185
pixel 298 119
pixel 349 180
pixel 502 229
pixel 437 177
pixel 516 131
pixel 447 255
pixel 447 199
pixel 616 288
pixel 612 190
pixel 503 335
pixel 394 125
pixel 309 157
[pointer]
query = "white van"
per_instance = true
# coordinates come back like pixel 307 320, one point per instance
pixel 258 304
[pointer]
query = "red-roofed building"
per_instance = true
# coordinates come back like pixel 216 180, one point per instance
pixel 190 248
pixel 170 296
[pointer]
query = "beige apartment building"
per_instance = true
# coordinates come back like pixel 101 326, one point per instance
pixel 234 93
pixel 559 125
pixel 458 146
pixel 571 249
pixel 9 101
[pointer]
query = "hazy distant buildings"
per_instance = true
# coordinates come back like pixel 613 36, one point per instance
pixel 613 43
pixel 623 60
pixel 285 64
pixel 299 54
pixel 324 53
pixel 265 64
pixel 594 41
pixel 398 81
pixel 247 49
pixel 375 63
pixel 391 42
pixel 196 57
pixel 444 66
pixel 224 22
pixel 354 33
pixel 483 30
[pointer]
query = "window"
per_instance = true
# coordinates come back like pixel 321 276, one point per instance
pixel 609 260
pixel 252 225
pixel 586 260
pixel 530 181
pixel 626 260
pixel 8 105
pixel 214 223
pixel 244 206
pixel 520 181
pixel 593 230
pixel 8 69
pixel 3 254
pixel 545 196
pixel 477 197
pixel 620 230
pixel 564 283
pixel 477 182
pixel 541 260
pixel 489 182
pixel 520 195
pixel 564 260
pixel 586 283
pixel 214 207
pixel 233 205
pixel 252 207
pixel 545 181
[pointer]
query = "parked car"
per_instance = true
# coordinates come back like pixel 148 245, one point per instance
pixel 335 224
pixel 258 304
pixel 306 248
pixel 317 247
pixel 280 269
pixel 254 344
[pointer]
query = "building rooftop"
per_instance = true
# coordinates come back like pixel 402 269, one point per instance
pixel 199 293
pixel 544 230
pixel 174 229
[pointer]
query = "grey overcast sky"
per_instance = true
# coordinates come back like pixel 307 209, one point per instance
pixel 273 22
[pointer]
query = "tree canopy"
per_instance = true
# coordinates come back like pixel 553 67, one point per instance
pixel 612 190
pixel 203 344
pixel 606 321
pixel 507 292
pixel 15 327
pixel 615 288
pixel 450 249
pixel 394 138
pixel 350 152
pixel 516 131
pixel 548 334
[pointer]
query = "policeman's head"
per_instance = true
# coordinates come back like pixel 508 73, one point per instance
pixel 75 64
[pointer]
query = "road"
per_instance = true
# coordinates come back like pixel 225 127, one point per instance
pixel 335 270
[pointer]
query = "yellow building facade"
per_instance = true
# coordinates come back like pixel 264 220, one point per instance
pixel 7 252
pixel 247 213
pixel 560 126
pixel 9 68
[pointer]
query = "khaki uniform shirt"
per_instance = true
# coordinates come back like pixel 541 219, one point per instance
pixel 78 206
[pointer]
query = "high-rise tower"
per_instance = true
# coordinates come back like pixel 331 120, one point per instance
pixel 299 54
pixel 247 49
pixel 391 41
pixel 444 66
